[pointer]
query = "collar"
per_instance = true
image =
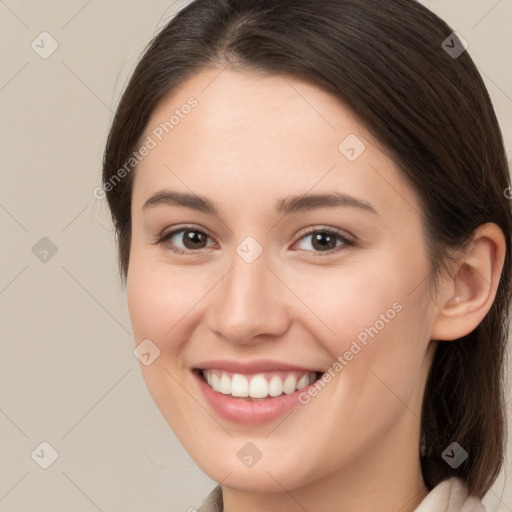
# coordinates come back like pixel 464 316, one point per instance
pixel 450 495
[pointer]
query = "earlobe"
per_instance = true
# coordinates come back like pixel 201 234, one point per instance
pixel 468 296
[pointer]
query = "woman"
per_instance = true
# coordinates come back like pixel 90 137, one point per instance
pixel 310 204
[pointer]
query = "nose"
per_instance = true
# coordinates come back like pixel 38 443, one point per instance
pixel 250 304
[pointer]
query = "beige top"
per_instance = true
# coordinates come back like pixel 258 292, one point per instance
pixel 450 495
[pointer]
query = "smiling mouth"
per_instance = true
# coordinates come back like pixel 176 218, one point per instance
pixel 258 386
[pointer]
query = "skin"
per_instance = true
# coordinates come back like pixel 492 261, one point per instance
pixel 251 141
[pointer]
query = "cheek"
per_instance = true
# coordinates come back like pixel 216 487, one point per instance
pixel 347 304
pixel 159 296
pixel 158 302
pixel 375 328
pixel 166 303
pixel 382 361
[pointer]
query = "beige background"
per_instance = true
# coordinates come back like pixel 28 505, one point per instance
pixel 67 372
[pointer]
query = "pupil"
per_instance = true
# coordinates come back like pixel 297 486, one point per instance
pixel 194 238
pixel 317 239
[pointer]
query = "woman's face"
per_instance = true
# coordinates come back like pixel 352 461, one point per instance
pixel 273 286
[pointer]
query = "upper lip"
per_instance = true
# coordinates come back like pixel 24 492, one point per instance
pixel 250 367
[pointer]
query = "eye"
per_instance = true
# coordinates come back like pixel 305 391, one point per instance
pixel 193 239
pixel 325 241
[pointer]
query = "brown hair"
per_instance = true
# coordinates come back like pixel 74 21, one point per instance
pixel 432 114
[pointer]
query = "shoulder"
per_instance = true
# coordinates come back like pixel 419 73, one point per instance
pixel 450 495
pixel 213 502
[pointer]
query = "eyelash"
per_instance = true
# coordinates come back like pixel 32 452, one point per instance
pixel 163 239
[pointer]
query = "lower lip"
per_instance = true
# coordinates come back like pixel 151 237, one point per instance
pixel 247 411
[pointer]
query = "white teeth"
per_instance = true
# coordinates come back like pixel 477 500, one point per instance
pixel 257 386
pixel 225 385
pixel 289 384
pixel 215 381
pixel 239 385
pixel 303 382
pixel 275 386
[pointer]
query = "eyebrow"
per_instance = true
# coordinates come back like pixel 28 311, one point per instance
pixel 287 205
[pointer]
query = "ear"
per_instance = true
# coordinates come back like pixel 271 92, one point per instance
pixel 467 297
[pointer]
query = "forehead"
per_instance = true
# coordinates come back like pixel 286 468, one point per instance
pixel 229 133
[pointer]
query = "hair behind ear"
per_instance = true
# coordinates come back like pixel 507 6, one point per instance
pixel 464 403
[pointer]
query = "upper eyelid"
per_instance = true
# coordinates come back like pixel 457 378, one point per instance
pixel 313 229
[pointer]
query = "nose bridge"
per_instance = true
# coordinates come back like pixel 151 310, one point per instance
pixel 250 300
